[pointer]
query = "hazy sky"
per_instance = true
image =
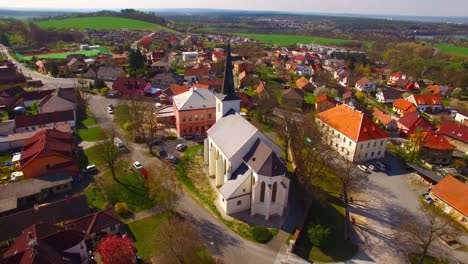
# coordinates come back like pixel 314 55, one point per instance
pixel 397 7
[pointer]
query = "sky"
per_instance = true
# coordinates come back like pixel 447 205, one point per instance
pixel 389 7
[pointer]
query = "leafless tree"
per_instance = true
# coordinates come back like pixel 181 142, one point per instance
pixel 163 185
pixel 286 127
pixel 110 154
pixel 144 121
pixel 266 104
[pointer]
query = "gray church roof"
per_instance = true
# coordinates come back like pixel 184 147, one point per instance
pixel 239 176
pixel 264 161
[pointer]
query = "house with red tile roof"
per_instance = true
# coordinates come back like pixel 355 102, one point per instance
pixel 47 244
pixel 451 196
pixel 25 123
pixel 131 86
pixel 365 85
pixel 386 120
pixel 195 74
pixel 261 87
pixel 402 106
pixel 48 152
pixel 304 84
pixel 409 122
pixel 105 221
pixel 350 132
pixel 436 149
pixel 428 103
pixel 245 100
pixel 456 133
pixel 324 102
pixel 292 97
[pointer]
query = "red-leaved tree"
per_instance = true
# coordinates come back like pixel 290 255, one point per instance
pixel 116 250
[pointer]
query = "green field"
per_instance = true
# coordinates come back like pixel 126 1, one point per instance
pixel 63 55
pixel 284 40
pixel 452 49
pixel 100 23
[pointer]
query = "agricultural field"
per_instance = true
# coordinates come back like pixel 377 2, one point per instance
pixel 452 49
pixel 62 55
pixel 284 40
pixel 100 23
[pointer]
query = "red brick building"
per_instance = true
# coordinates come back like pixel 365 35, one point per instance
pixel 195 111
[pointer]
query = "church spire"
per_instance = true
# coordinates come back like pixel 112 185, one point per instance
pixel 229 91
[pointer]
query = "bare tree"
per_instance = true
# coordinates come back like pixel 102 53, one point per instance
pixel 266 104
pixel 110 154
pixel 163 186
pixel 286 127
pixel 144 122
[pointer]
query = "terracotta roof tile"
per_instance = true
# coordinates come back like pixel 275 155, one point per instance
pixel 436 140
pixel 197 72
pixel 302 82
pixel 325 97
pixel 453 192
pixel 454 130
pixel 362 81
pixel 427 99
pixel 404 105
pixel 381 116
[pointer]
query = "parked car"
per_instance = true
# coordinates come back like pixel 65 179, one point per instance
pixel 372 167
pixel 162 153
pixel 137 165
pixel 379 165
pixel 181 147
pixel 428 199
pixel 110 106
pixel 173 159
pixel 89 169
pixel 363 167
pixel 110 111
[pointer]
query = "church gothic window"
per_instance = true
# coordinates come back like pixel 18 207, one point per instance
pixel 273 196
pixel 262 192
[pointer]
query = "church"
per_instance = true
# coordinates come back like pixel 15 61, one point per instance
pixel 243 161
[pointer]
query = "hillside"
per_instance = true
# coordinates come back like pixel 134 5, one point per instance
pixel 100 23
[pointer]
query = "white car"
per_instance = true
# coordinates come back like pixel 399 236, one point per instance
pixel 137 165
pixel 110 111
pixel 363 168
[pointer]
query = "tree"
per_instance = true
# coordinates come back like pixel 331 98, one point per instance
pixel 321 91
pixel 318 234
pixel 286 129
pixel 144 122
pixel 414 145
pixel 266 104
pixel 109 153
pixel 53 68
pixel 178 241
pixel 99 83
pixel 163 187
pixel 116 250
pixel 457 93
pixel 136 60
pixel 4 39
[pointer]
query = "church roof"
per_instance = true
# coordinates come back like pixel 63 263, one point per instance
pixel 239 176
pixel 229 90
pixel 264 161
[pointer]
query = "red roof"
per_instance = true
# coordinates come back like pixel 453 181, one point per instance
pixel 454 130
pixel 352 123
pixel 404 105
pixel 381 116
pixel 129 85
pixel 427 99
pixel 197 72
pixel 94 223
pixel 436 140
pixel 179 89
pixel 325 97
pixel 413 121
pixel 453 192
pixel 395 76
pixel 44 118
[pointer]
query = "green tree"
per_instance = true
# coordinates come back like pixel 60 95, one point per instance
pixel 136 60
pixel 34 108
pixel 4 39
pixel 318 234
pixel 98 84
pixel 414 145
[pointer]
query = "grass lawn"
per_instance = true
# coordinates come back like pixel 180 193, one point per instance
pixel 452 49
pixel 285 40
pixel 63 55
pixel 89 121
pixel 189 172
pixel 95 197
pixel 414 259
pixel 101 23
pixel 91 156
pixel 309 98
pixel 145 231
pixel 91 134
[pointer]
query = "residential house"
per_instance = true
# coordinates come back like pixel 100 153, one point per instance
pixel 31 97
pixel 411 121
pixel 386 120
pixel 241 66
pixel 105 222
pixel 120 58
pixel 11 98
pixel 461 117
pixel 324 102
pixel 261 87
pixel 47 244
pixel 195 111
pixel 394 77
pixel 348 97
pixel 439 90
pixel 76 65
pixel 10 77
pixel 292 97
pixel 420 84
pixel 457 134
pixel 388 96
pixel 246 168
pixel 25 123
pixel 450 195
pixel 48 152
pixel 160 66
pixel 352 134
pixel 190 56
pixel 365 85
pixel 304 70
pixel 62 99
pixel 402 106
pixel 304 84
pixel 426 102
pixel 110 73
pixel 51 212
pixel 166 79
pixel 217 56
pixel 245 100
pixel 245 79
pixel 193 75
pixel 401 83
pixel 213 83
pixel 131 86
pixel 436 149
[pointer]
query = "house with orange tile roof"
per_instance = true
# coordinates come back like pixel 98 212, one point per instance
pixel 409 122
pixel 436 149
pixel 438 90
pixel 386 120
pixel 451 196
pixel 428 103
pixel 402 106
pixel 354 135
pixel 324 102
pixel 304 84
pixel 261 87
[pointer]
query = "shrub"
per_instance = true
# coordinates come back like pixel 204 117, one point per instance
pixel 318 234
pixel 261 234
pixel 122 208
pixel 104 90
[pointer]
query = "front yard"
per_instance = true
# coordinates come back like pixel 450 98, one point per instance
pixel 91 134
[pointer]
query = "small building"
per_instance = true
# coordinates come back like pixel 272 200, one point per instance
pixel 131 86
pixel 365 85
pixel 388 96
pixel 76 65
pixel 62 99
pixel 402 107
pixel 194 75
pixel 31 97
pixel 386 120
pixel 24 123
pixel 409 122
pixel 457 134
pixel 166 79
pixel 120 58
pixel 436 149
pixel 324 102
pixel 427 102
pixel 190 56
pixel 110 73
pixel 104 222
pixel 292 97
pixel 451 196
pixel 461 117
pixel 304 84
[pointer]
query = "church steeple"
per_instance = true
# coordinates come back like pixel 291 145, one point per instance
pixel 229 91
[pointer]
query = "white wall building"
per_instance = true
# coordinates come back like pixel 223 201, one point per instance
pixel 352 134
pixel 365 85
pixel 190 56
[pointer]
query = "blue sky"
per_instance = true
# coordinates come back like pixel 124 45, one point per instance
pixel 395 7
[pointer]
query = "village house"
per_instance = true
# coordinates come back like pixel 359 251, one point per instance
pixel 246 168
pixel 245 100
pixel 304 84
pixel 461 117
pixel 131 86
pixel 120 59
pixel 352 134
pixel 411 121
pixel 324 102
pixel 105 222
pixel 190 56
pixel 110 73
pixel 292 97
pixel 24 123
pixel 457 134
pixel 402 107
pixel 439 90
pixel 245 79
pixel 450 196
pixel 365 85
pixel 193 75
pixel 214 83
pixel 10 77
pixel 48 152
pixel 436 149
pixel 395 77
pixel 386 120
pixel 31 97
pixel 426 102
pixel 388 96
pixel 62 99
pixel 303 70
pixel 76 65
pixel 11 98
pixel 166 79
pixel 160 66
pixel 195 111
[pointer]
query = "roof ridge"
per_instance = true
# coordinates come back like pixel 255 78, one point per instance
pixel 91 224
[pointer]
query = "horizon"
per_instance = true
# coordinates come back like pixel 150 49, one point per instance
pixel 416 8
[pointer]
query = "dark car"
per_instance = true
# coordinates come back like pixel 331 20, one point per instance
pixel 173 159
pixel 162 153
pixel 90 169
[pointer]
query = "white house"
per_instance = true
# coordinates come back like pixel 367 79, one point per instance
pixel 352 133
pixel 365 85
pixel 190 56
pixel 303 70
pixel 461 117
pixel 388 96
pixel 243 161
pixel 426 102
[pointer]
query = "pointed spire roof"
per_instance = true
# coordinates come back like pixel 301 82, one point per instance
pixel 229 91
